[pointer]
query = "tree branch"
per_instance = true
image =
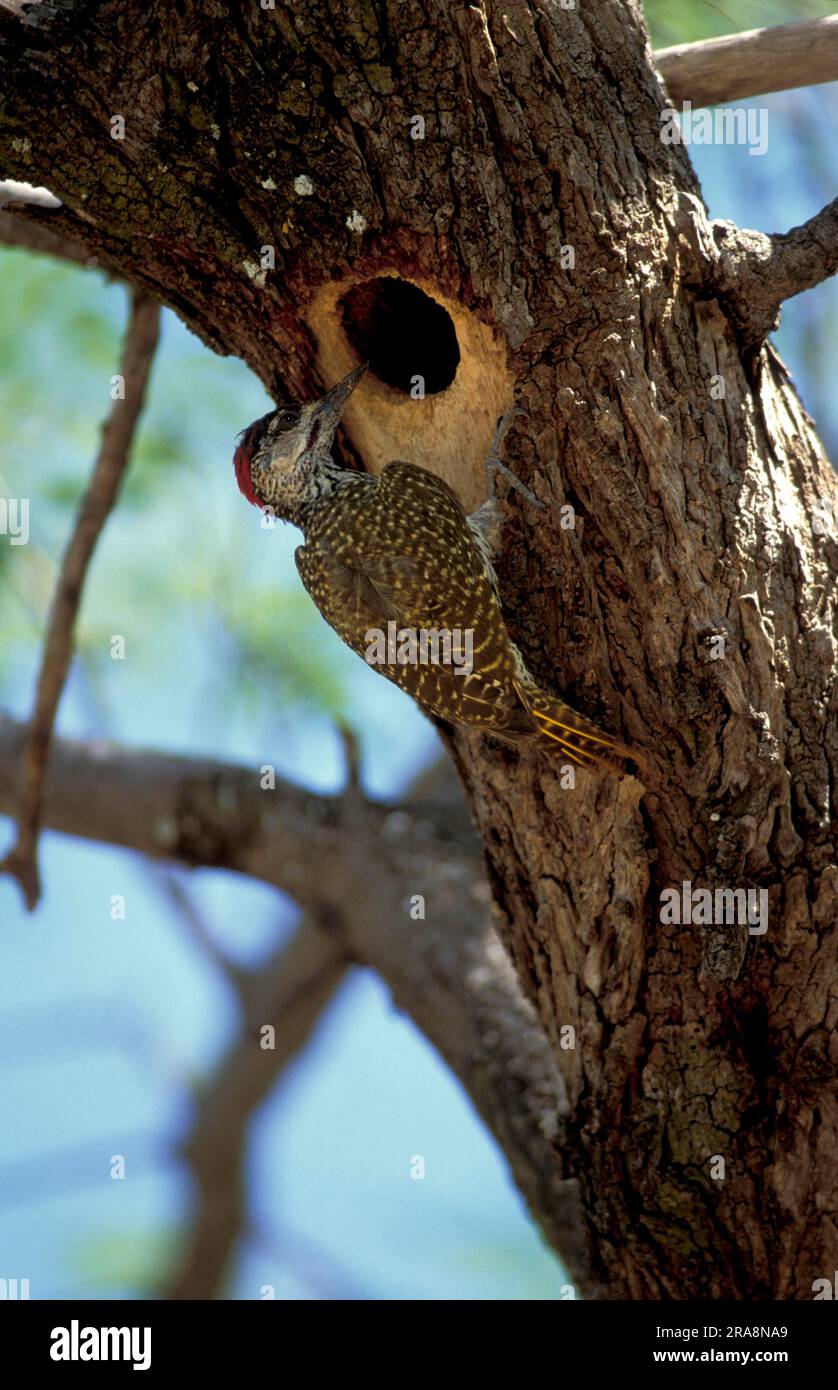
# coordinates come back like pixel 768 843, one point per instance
pixel 755 273
pixel 186 912
pixel 447 970
pixel 34 236
pixel 747 65
pixel 102 491
pixel 23 226
pixel 293 990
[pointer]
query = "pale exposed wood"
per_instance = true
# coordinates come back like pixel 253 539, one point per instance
pixel 451 431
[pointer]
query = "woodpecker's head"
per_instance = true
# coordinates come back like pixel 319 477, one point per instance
pixel 275 452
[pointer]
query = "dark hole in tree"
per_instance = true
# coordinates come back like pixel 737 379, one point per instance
pixel 402 333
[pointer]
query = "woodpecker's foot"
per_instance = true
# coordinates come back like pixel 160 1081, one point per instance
pixel 494 464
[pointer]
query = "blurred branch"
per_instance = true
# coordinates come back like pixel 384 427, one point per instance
pixel 404 894
pixel 318 1268
pixel 187 912
pixel 202 812
pixel 102 491
pixel 352 756
pixel 34 236
pixel 747 65
pixel 286 997
pixel 293 990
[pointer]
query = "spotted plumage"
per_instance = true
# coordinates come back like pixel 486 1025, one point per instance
pixel 397 553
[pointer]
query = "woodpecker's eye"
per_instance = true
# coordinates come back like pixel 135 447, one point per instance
pixel 285 418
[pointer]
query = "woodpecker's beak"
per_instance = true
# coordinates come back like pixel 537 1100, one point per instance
pixel 331 405
pixel 324 415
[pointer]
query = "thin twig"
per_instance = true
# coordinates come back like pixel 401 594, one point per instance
pixel 102 492
pixel 352 757
pixel 187 911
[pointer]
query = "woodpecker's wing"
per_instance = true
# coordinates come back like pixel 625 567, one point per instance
pixel 400 551
pixel 424 559
pixel 364 591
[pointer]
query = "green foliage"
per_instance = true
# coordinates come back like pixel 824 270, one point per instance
pixel 687 21
pixel 272 646
pixel 132 1259
pixel 512 1264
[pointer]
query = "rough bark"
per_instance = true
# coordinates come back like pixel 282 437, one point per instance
pixel 694 515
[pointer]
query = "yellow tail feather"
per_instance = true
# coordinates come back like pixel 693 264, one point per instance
pixel 582 741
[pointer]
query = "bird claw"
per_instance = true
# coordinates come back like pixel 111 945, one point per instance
pixel 495 464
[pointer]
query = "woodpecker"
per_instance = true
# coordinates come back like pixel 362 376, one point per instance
pixel 399 549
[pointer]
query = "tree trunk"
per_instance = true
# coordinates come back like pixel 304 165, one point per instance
pixel 507 161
